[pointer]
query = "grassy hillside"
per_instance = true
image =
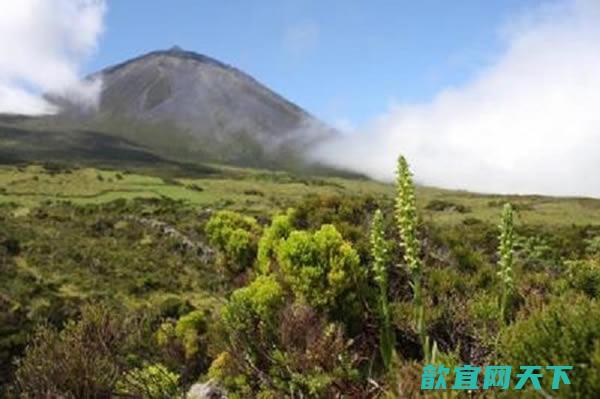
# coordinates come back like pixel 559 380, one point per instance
pixel 266 191
pixel 175 279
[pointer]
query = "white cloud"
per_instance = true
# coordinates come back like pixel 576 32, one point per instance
pixel 529 123
pixel 300 39
pixel 42 45
pixel 344 125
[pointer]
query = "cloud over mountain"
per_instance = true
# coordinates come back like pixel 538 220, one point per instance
pixel 43 43
pixel 527 123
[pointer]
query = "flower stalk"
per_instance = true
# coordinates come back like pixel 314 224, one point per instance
pixel 505 252
pixel 379 254
pixel 406 219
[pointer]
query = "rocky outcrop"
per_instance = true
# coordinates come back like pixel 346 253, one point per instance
pixel 207 390
pixel 186 243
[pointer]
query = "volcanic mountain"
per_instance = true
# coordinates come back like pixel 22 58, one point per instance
pixel 188 107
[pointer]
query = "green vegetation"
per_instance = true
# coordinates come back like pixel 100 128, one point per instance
pixel 154 381
pixel 321 268
pixel 236 238
pixel 506 259
pixel 277 285
pixel 566 332
pixel 84 360
pixel 380 275
pixel 406 218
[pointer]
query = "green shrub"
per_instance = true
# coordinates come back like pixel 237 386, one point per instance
pixel 484 278
pixel 236 238
pixel 468 259
pixel 250 318
pixel 84 360
pixel 188 329
pixel 290 352
pixel 567 332
pixel 152 381
pixel 227 371
pixel 184 344
pixel 584 275
pixel 534 252
pixel 311 358
pixel 280 229
pixel 173 306
pixel 439 205
pixel 349 214
pixel 321 268
pixel 483 314
pixel 253 309
pixel 593 246
pixel 444 284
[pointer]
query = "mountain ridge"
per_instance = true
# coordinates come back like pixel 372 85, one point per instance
pixel 187 106
pixel 176 51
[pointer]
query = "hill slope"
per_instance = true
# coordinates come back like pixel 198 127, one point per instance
pixel 188 107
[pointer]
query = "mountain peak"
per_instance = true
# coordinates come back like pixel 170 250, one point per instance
pixel 176 49
pixel 186 104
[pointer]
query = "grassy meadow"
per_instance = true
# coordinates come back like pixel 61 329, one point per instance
pixel 263 191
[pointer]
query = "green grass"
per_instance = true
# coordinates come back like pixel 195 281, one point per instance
pixel 263 191
pixel 251 190
pixel 530 210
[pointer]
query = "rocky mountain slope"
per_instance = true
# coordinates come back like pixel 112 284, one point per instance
pixel 188 107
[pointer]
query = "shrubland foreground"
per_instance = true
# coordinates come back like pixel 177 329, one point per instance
pixel 128 284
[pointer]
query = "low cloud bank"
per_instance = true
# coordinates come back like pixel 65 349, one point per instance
pixel 42 46
pixel 528 123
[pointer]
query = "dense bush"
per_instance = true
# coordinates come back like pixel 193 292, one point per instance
pixel 250 318
pixel 152 381
pixel 584 275
pixel 565 333
pixel 280 228
pixel 84 360
pixel 535 252
pixel 280 348
pixel 446 206
pixel 350 215
pixel 187 345
pixel 593 246
pixel 321 268
pixel 236 238
pixel 252 311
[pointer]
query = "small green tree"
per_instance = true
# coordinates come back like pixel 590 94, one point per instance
pixel 506 251
pixel 380 258
pixel 406 218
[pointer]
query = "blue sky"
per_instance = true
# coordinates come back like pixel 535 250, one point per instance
pixel 345 61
